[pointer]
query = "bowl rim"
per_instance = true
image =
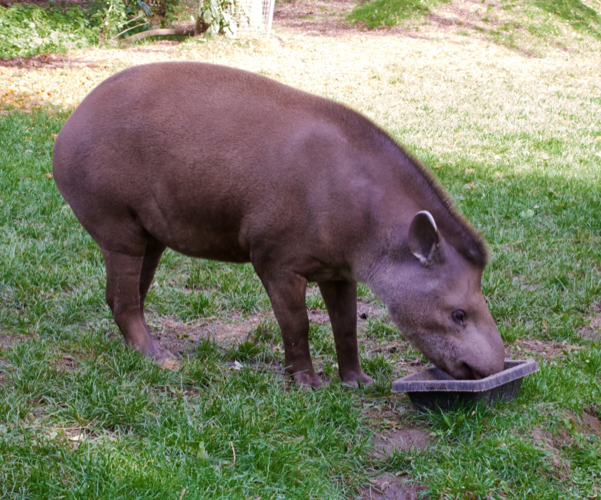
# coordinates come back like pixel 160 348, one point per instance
pixel 443 382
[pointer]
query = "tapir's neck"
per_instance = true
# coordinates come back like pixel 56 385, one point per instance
pixel 387 245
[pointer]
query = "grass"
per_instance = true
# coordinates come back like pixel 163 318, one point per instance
pixel 520 24
pixel 390 12
pixel 143 432
pixel 515 140
pixel 581 15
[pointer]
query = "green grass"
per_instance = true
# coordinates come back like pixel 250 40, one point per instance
pixel 390 12
pixel 151 433
pixel 510 22
pixel 84 417
pixel 582 16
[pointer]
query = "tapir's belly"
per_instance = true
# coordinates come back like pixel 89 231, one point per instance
pixel 202 237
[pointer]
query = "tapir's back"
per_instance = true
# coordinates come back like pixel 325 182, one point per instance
pixel 194 153
pixel 174 115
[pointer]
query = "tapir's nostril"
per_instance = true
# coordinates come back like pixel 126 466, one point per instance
pixel 471 373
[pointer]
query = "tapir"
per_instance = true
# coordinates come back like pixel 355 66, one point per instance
pixel 219 163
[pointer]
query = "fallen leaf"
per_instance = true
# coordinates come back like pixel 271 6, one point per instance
pixel 49 175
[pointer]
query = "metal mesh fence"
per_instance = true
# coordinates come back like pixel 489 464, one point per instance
pixel 254 16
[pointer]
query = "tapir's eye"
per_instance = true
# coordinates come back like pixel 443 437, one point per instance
pixel 459 316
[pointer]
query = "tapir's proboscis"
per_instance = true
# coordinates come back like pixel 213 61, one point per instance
pixel 219 163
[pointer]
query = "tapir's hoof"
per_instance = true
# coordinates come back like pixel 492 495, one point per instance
pixel 306 380
pixel 356 379
pixel 163 357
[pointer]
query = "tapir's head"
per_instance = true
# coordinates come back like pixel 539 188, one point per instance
pixel 436 300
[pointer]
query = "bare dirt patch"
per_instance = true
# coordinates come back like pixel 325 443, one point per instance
pixel 52 61
pixel 393 436
pixel 67 363
pixel 590 423
pixel 314 17
pixel 400 439
pixel 8 340
pixel 181 337
pixel 390 487
pixel 466 14
pixel 552 444
pixel 592 330
pixel 542 350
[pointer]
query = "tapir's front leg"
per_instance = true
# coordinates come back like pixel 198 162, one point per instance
pixel 286 291
pixel 341 301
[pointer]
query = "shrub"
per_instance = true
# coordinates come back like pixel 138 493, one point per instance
pixel 216 16
pixel 27 30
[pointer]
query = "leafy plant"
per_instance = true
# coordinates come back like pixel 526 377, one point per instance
pixel 110 17
pixel 115 17
pixel 27 30
pixel 217 16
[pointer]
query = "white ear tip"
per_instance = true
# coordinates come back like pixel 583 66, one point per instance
pixel 430 218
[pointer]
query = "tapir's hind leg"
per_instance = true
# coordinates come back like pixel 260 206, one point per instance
pixel 152 256
pixel 123 294
pixel 341 301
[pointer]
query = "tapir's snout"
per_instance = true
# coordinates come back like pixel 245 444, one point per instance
pixel 478 357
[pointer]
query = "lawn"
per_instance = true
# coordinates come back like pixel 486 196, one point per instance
pixel 512 130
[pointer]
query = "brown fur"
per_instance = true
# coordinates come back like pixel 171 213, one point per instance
pixel 223 164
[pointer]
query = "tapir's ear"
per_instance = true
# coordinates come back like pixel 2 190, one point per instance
pixel 424 240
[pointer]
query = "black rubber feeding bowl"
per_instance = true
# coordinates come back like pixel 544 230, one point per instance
pixel 433 388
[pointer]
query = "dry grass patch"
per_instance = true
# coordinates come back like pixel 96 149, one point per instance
pixel 388 78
